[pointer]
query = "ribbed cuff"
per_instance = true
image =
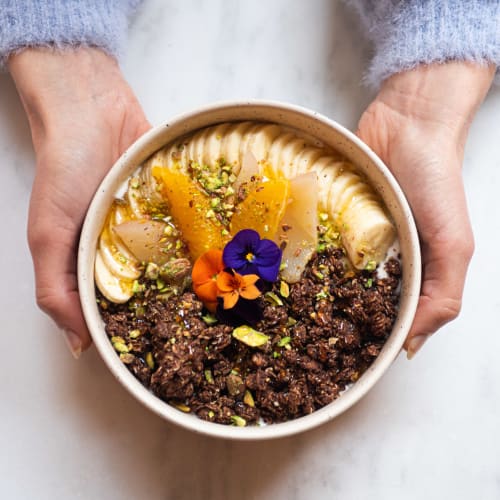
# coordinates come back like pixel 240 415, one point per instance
pixel 62 23
pixel 408 33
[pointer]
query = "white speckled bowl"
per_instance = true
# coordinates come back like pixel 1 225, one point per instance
pixel 327 131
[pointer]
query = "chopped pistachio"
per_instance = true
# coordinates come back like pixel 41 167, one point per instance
pixel 150 361
pixel 209 319
pixel 126 357
pixel 291 321
pixel 371 265
pixel 273 299
pixel 116 339
pixel 238 421
pixel 249 336
pixel 318 274
pixel 137 287
pixel 284 341
pixel 248 399
pixel 276 354
pixel 152 271
pixel 182 407
pixel 209 377
pixel 133 334
pixel 369 283
pixel 160 284
pixel 120 347
pixel 284 289
pixel 211 414
pixel 322 295
pixel 169 230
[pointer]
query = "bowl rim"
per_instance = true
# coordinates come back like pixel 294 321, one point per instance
pixel 119 370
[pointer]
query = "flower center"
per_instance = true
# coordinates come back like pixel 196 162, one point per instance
pixel 250 257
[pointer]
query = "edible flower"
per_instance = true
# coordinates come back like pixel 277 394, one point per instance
pixel 232 286
pixel 247 254
pixel 204 275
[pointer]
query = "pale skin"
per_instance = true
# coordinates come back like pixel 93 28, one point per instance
pixel 83 115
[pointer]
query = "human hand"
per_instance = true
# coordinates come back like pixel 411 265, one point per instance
pixel 418 125
pixel 82 115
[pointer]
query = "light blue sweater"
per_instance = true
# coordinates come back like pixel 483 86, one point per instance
pixel 404 32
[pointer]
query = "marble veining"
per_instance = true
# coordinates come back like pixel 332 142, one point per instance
pixel 429 429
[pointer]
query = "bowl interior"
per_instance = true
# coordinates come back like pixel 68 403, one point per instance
pixel 310 123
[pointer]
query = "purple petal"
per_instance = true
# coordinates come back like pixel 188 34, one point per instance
pixel 235 252
pixel 247 238
pixel 267 254
pixel 268 260
pixel 269 273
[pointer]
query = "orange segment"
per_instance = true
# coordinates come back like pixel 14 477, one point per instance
pixel 191 211
pixel 263 208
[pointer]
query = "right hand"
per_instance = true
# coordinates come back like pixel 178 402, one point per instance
pixel 82 115
pixel 418 125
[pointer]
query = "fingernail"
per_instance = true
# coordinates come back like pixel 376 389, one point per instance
pixel 415 344
pixel 74 343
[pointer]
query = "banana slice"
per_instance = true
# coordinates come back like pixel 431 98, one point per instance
pixel 367 234
pixel 115 267
pixel 231 144
pixel 111 286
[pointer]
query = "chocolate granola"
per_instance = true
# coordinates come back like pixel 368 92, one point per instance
pixel 324 332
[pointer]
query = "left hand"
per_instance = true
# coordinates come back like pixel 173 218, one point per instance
pixel 82 115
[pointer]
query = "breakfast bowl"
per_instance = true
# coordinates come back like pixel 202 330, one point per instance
pixel 249 270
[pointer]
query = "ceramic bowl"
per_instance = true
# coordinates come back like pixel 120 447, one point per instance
pixel 333 135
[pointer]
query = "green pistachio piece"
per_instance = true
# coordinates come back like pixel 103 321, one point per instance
pixel 284 341
pixel 150 361
pixel 209 319
pixel 284 289
pixel 248 399
pixel 209 377
pixel 133 334
pixel 238 421
pixel 272 298
pixel 249 336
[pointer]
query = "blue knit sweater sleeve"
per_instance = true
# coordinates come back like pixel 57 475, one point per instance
pixel 406 33
pixel 59 23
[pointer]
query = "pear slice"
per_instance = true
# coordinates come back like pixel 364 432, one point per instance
pixel 298 228
pixel 147 240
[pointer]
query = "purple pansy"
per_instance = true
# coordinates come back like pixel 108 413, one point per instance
pixel 246 253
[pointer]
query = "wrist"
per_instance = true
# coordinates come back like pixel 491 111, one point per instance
pixel 51 82
pixel 439 95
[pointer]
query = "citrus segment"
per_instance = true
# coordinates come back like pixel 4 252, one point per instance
pixel 263 208
pixel 191 211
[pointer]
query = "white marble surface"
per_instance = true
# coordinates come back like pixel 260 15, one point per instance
pixel 429 429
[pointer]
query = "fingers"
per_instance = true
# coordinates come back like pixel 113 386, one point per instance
pixel 53 251
pixel 445 268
